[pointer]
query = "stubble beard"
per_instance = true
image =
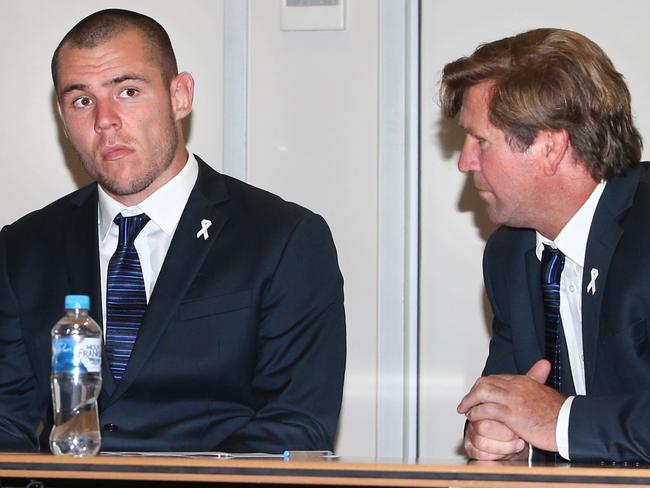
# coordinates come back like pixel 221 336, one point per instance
pixel 160 161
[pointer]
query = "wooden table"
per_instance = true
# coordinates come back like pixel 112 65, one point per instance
pixel 50 471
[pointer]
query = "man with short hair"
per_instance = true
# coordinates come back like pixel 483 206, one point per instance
pixel 554 153
pixel 221 304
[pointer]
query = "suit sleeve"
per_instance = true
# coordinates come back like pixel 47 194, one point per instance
pixel 301 349
pixel 610 428
pixel 18 419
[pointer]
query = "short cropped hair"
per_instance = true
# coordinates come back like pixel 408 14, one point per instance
pixel 552 79
pixel 103 26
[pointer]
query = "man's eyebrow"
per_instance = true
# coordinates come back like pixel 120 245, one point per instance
pixel 464 127
pixel 468 130
pixel 125 77
pixel 114 81
pixel 73 87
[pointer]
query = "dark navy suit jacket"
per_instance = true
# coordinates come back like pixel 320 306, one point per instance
pixel 242 347
pixel 612 421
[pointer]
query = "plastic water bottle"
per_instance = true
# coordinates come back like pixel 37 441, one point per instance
pixel 76 380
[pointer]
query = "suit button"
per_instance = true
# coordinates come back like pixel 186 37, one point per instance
pixel 111 428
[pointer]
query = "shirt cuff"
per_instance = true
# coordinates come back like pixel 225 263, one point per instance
pixel 562 428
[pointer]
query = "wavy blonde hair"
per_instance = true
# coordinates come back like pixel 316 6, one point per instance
pixel 552 79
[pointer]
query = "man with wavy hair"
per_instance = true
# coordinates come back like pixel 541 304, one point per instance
pixel 553 151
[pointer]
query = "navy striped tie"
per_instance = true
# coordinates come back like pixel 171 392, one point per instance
pixel 552 265
pixel 126 300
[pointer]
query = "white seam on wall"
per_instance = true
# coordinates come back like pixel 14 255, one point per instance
pixel 398 232
pixel 235 82
pixel 412 261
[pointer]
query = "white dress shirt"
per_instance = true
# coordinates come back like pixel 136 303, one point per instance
pixel 164 207
pixel 572 241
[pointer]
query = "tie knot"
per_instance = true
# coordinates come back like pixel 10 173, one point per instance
pixel 130 227
pixel 552 265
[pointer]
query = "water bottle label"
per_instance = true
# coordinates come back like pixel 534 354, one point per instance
pixel 75 354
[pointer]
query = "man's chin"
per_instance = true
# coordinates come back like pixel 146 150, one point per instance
pixel 490 205
pixel 123 189
pixel 494 215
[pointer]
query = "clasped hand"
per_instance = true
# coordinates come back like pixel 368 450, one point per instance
pixel 505 412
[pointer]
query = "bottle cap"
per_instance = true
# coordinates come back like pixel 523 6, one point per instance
pixel 77 301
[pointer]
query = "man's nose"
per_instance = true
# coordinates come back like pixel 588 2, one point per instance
pixel 106 116
pixel 468 160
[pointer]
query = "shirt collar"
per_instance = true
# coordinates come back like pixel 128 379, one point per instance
pixel 164 206
pixel 572 239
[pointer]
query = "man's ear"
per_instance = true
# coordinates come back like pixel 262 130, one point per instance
pixel 553 145
pixel 182 95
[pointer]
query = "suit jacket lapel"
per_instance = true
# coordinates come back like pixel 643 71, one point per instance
pixel 604 234
pixel 81 249
pixel 533 272
pixel 183 260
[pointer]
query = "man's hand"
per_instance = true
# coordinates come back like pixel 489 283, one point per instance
pixel 522 403
pixel 489 440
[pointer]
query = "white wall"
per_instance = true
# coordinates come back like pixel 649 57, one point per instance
pixel 313 138
pixel 38 165
pixel 454 330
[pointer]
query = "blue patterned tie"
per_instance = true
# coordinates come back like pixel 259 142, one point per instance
pixel 552 265
pixel 126 300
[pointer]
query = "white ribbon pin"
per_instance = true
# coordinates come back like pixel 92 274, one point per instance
pixel 591 287
pixel 205 225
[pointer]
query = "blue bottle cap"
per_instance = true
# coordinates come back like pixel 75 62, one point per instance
pixel 77 301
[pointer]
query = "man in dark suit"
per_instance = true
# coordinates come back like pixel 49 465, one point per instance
pixel 242 343
pixel 555 156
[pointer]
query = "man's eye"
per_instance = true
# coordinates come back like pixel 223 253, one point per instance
pixel 81 102
pixel 128 93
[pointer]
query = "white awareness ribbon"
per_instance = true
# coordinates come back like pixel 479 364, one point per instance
pixel 205 225
pixel 591 287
